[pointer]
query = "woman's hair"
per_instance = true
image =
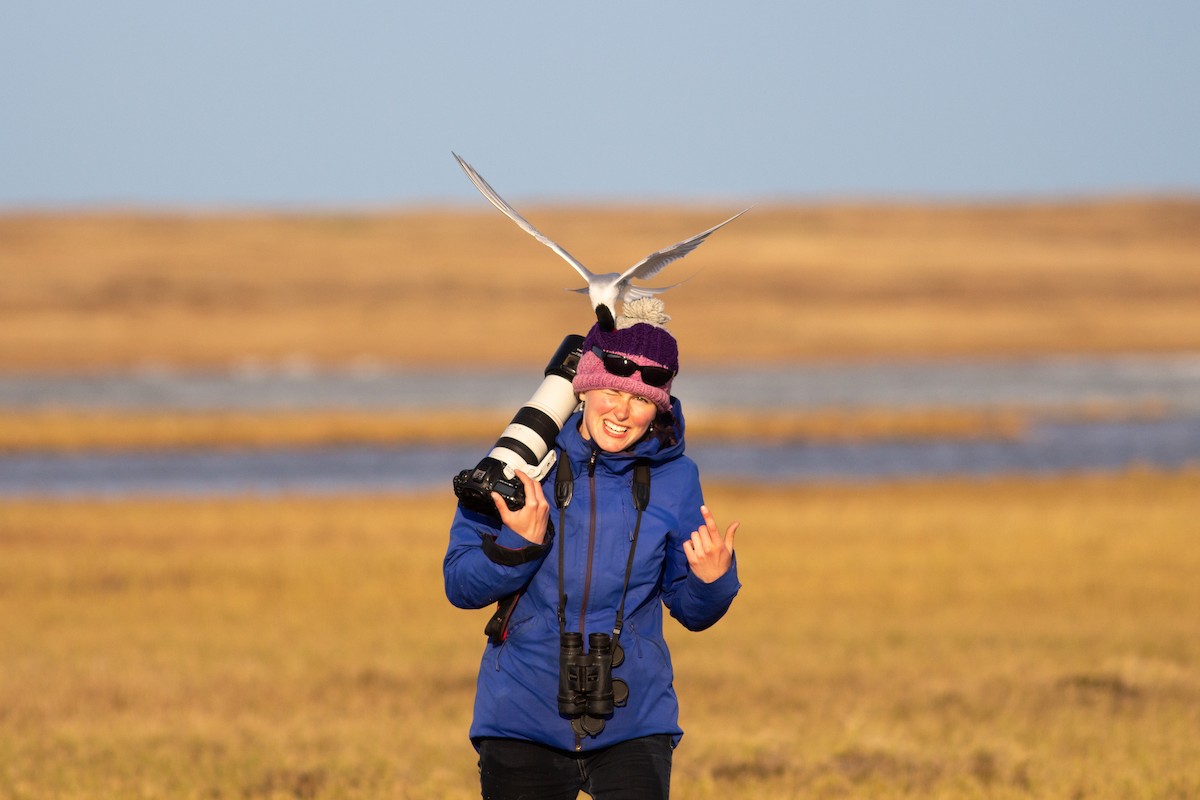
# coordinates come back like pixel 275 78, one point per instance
pixel 663 428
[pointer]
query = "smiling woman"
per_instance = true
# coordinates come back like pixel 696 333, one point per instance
pixel 621 525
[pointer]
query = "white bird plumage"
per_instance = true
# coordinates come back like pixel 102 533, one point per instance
pixel 604 290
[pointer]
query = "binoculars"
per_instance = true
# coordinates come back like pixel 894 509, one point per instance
pixel 587 691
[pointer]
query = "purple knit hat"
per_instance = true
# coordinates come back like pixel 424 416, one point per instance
pixel 640 337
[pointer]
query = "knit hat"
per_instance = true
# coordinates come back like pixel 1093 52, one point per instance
pixel 639 336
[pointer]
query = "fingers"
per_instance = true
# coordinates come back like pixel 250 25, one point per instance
pixel 528 521
pixel 501 506
pixel 733 527
pixel 534 497
pixel 708 553
pixel 533 489
pixel 702 537
pixel 700 544
pixel 712 533
pixel 529 485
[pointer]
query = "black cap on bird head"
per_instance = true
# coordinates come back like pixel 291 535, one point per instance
pixel 604 318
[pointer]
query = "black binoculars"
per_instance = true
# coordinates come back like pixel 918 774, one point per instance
pixel 586 687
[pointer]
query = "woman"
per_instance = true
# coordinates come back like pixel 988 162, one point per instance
pixel 557 713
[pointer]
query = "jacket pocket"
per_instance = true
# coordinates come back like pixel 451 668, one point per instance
pixel 648 647
pixel 517 630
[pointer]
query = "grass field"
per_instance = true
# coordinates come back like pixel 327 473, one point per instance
pixel 1006 638
pixel 993 639
pixel 95 291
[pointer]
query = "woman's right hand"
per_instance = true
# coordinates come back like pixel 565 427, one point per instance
pixel 531 520
pixel 710 554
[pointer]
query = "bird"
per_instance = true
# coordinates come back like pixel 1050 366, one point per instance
pixel 605 290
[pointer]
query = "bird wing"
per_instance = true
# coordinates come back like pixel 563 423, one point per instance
pixel 487 191
pixel 632 292
pixel 649 266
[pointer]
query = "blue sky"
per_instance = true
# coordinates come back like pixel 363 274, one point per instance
pixel 242 103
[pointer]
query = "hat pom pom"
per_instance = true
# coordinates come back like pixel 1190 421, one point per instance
pixel 645 309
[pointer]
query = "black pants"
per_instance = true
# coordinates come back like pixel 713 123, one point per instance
pixel 639 769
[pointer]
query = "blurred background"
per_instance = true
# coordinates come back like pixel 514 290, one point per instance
pixel 306 106
pixel 947 370
pixel 254 208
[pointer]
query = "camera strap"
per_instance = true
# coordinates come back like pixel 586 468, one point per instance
pixel 641 499
pixel 564 490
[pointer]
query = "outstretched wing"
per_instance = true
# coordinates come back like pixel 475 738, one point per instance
pixel 630 292
pixel 650 266
pixel 487 191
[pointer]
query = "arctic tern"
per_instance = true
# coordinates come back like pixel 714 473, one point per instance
pixel 603 291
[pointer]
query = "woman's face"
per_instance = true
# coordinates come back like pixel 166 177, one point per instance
pixel 615 420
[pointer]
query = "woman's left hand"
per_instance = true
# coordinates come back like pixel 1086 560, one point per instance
pixel 708 553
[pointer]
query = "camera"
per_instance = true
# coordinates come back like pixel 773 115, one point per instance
pixel 587 691
pixel 527 440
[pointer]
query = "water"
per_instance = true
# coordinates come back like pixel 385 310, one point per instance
pixel 1048 448
pixel 1172 440
pixel 1172 380
pixel 188 472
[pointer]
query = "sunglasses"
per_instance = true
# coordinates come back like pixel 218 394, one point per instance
pixel 622 367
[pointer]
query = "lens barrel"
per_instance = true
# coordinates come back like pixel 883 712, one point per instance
pixel 528 437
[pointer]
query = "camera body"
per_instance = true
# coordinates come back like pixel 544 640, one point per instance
pixel 528 440
pixel 474 486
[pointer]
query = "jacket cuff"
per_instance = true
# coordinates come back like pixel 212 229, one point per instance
pixel 510 549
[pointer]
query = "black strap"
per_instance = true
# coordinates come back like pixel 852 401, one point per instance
pixel 564 484
pixel 641 500
pixel 497 626
pixel 641 484
pixel 564 490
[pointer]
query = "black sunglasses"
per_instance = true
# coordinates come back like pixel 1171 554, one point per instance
pixel 622 367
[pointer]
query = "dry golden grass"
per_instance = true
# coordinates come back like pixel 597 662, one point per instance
pixel 1002 639
pixel 998 639
pixel 95 291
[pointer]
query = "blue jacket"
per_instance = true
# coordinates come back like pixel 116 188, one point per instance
pixel 516 693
